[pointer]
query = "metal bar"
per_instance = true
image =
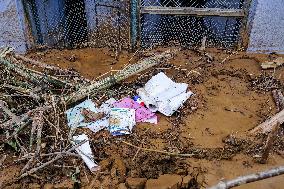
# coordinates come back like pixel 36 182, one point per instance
pixel 133 23
pixel 192 11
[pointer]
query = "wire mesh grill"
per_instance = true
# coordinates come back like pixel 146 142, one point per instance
pixel 188 31
pixel 106 23
pixel 69 23
pixel 112 23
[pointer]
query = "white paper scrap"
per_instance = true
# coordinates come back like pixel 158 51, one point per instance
pixel 164 95
pixel 85 152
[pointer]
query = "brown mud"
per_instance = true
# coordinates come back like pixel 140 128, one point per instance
pixel 212 125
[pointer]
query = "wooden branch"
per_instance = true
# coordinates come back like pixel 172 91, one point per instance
pixel 249 178
pixel 269 143
pixel 38 125
pixel 268 124
pixel 42 65
pixel 119 76
pixel 21 90
pixel 33 75
pixel 190 11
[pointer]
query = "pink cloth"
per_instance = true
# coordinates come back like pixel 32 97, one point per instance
pixel 142 114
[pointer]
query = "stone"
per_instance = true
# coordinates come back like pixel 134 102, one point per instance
pixel 118 170
pixel 136 183
pixel 34 186
pixel 166 181
pixel 105 164
pixel 48 186
pixel 121 186
pixel 66 184
pixel 186 181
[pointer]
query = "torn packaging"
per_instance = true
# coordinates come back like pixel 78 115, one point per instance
pixel 164 95
pixel 76 119
pixel 122 121
pixel 142 114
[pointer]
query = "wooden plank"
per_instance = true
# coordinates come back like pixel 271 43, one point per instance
pixel 191 11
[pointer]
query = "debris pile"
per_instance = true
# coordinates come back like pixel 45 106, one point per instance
pixel 55 122
pixel 37 129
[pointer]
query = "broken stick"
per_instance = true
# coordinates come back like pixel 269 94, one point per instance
pixel 269 143
pixel 267 126
pixel 57 157
pixel 249 178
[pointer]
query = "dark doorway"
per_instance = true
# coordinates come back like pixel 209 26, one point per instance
pixel 75 23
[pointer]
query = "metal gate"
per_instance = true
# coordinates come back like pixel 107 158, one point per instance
pixel 187 22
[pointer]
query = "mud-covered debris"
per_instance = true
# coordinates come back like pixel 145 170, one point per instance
pixel 273 64
pixel 136 183
pixel 166 181
pixel 186 181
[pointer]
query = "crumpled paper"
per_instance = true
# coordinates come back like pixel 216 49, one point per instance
pixel 164 95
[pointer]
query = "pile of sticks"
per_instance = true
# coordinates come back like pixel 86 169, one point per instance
pixel 38 131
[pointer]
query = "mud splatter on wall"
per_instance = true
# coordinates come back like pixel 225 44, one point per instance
pixel 267 26
pixel 11 26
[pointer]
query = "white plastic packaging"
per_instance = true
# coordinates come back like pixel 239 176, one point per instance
pixel 85 152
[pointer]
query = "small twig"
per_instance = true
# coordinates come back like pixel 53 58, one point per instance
pixel 279 99
pixel 51 161
pixel 2 160
pixel 31 155
pixel 8 112
pixel 39 119
pixel 233 53
pixel 158 151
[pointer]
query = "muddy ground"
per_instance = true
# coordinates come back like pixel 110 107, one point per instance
pixel 229 100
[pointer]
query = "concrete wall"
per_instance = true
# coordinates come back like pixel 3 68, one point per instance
pixel 11 25
pixel 267 26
